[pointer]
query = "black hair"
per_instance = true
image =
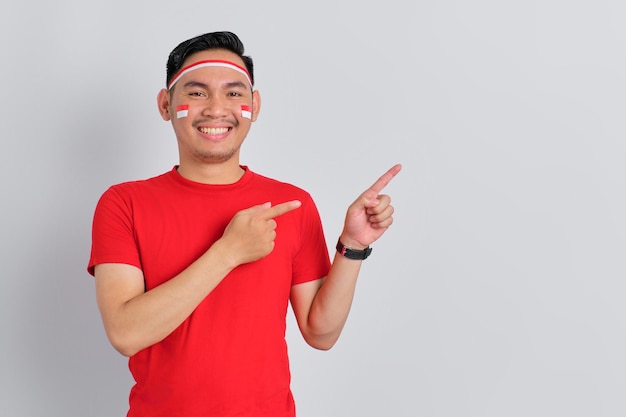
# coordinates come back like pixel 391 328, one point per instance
pixel 214 40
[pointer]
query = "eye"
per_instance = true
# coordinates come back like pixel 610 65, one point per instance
pixel 234 94
pixel 196 94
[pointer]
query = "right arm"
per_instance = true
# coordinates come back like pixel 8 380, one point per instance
pixel 135 319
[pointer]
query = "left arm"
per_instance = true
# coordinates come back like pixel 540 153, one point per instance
pixel 321 307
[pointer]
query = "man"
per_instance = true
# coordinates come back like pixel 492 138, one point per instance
pixel 194 269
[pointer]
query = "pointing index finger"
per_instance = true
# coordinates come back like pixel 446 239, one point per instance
pixel 385 179
pixel 280 209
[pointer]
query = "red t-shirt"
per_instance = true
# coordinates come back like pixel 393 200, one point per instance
pixel 229 358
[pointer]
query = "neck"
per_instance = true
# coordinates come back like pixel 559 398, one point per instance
pixel 220 173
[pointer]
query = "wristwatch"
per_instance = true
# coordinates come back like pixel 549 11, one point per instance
pixel 353 253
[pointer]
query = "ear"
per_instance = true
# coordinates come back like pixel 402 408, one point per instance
pixel 256 104
pixel 163 101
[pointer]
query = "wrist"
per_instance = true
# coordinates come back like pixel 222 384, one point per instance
pixel 224 254
pixel 353 253
pixel 351 243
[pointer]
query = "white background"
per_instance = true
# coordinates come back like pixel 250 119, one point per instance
pixel 499 291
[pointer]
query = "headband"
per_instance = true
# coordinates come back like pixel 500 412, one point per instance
pixel 210 63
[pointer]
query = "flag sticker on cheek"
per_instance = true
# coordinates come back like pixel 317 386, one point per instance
pixel 182 111
pixel 246 111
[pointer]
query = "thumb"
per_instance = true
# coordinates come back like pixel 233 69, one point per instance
pixel 366 200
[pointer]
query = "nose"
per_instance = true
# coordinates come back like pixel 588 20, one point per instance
pixel 215 107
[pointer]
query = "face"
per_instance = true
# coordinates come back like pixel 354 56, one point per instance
pixel 213 128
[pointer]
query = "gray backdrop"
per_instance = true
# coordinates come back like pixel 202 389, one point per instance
pixel 498 292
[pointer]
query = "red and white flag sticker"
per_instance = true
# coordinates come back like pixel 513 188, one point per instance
pixel 182 111
pixel 246 111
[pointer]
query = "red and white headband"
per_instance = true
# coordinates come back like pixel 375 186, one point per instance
pixel 210 63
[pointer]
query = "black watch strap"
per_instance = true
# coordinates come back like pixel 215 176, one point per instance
pixel 353 253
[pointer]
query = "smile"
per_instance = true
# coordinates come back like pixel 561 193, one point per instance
pixel 214 130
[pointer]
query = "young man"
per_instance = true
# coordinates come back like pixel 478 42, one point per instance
pixel 194 269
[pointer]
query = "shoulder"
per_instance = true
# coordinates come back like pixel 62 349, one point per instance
pixel 280 187
pixel 278 192
pixel 140 185
pixel 128 191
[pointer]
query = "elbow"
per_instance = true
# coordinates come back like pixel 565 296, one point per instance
pixel 323 347
pixel 321 336
pixel 122 344
pixel 125 350
pixel 321 342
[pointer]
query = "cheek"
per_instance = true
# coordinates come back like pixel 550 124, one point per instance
pixel 186 113
pixel 246 111
pixel 181 111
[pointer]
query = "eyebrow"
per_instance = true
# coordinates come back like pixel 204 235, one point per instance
pixel 236 84
pixel 230 84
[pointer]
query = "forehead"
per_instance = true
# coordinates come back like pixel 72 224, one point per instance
pixel 215 64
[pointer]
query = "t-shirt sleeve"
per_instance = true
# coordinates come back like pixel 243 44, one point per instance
pixel 113 238
pixel 312 260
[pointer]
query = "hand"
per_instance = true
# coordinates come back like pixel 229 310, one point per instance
pixel 251 232
pixel 370 215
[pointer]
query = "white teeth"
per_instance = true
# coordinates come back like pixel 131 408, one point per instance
pixel 213 130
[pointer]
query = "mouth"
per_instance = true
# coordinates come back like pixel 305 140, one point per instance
pixel 214 131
